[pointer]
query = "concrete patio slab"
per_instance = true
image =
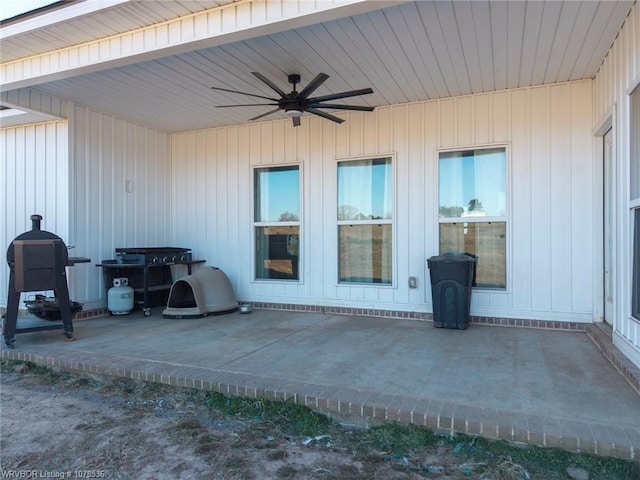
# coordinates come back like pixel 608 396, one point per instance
pixel 544 387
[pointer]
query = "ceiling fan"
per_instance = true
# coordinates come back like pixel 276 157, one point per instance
pixel 296 103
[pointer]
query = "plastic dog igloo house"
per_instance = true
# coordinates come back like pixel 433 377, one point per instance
pixel 207 291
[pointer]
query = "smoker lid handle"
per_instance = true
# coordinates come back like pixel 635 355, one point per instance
pixel 73 260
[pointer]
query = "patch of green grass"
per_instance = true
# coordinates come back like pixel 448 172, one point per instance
pixel 499 456
pixel 402 439
pixel 291 418
pixel 7 366
pixel 500 459
pixel 552 460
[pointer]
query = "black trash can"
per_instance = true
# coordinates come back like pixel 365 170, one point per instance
pixel 452 277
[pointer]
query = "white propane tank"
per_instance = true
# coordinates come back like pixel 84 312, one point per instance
pixel 120 297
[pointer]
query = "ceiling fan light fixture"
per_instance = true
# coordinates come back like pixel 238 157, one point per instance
pixel 296 103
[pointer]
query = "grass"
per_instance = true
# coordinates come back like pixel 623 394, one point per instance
pixel 404 446
pixel 555 460
pixel 402 439
pixel 293 419
pixel 503 459
pixel 406 441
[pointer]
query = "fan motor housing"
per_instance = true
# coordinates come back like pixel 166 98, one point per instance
pixel 294 78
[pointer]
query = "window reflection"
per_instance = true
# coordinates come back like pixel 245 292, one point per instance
pixel 276 196
pixel 365 189
pixel 487 241
pixel 472 183
pixel 277 252
pixel 365 253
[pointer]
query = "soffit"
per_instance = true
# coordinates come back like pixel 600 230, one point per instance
pixel 410 52
pixel 82 22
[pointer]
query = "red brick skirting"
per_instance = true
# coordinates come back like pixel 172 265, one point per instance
pixel 600 334
pixel 370 312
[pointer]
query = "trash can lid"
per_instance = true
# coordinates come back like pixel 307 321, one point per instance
pixel 451 258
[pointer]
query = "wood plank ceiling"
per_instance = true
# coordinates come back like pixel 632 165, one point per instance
pixel 409 52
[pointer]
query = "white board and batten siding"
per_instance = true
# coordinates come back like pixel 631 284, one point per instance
pixel 121 196
pixel 548 134
pixel 34 179
pixel 75 173
pixel 618 76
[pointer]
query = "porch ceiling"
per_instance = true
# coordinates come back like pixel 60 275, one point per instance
pixel 407 52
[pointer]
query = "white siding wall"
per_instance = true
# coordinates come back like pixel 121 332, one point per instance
pixel 76 181
pixel 618 76
pixel 547 129
pixel 34 178
pixel 105 154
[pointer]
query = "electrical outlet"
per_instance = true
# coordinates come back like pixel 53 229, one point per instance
pixel 413 282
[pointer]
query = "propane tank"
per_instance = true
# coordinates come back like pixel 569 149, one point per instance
pixel 120 297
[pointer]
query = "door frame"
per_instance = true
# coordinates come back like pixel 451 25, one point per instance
pixel 609 222
pixel 608 123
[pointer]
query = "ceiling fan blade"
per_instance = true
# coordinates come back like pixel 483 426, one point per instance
pixel 313 85
pixel 335 96
pixel 296 121
pixel 324 115
pixel 265 114
pixel 244 93
pixel 339 106
pixel 246 105
pixel 270 83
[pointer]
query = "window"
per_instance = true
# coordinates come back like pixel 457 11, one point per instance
pixel 473 210
pixel 365 228
pixel 276 202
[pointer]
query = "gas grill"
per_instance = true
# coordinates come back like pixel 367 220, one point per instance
pixel 37 261
pixel 148 270
pixel 153 255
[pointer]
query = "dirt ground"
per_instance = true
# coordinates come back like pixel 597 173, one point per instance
pixel 73 427
pixel 61 425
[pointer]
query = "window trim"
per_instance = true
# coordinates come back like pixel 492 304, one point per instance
pixel 383 221
pixel 507 218
pixel 254 224
pixel 635 263
pixel 633 303
pixel 634 143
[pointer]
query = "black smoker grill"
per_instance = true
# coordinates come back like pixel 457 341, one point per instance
pixel 37 260
pixel 148 270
